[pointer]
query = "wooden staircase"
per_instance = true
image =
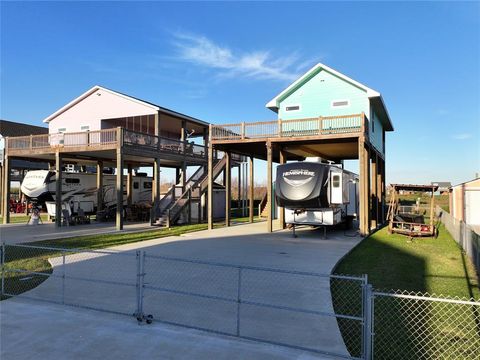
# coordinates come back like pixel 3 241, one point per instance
pixel 171 206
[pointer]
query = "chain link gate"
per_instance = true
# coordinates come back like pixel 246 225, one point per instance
pixel 282 307
pixel 330 314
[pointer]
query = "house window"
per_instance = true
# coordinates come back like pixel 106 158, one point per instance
pixel 85 128
pixel 62 130
pixel 340 103
pixel 292 108
pixel 135 184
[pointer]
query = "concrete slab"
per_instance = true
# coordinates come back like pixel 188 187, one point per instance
pixel 246 245
pixel 33 330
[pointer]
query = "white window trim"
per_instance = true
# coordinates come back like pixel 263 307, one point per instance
pixel 341 106
pixel 290 111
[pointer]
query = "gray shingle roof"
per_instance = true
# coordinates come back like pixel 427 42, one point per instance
pixel 10 128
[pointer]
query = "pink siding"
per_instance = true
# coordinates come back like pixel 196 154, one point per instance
pixel 99 105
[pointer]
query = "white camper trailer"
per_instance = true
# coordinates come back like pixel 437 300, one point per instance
pixel 316 194
pixel 79 190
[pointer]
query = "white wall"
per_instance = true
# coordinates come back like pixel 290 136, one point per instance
pixel 102 104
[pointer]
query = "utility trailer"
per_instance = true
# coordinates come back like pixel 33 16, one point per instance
pixel 407 219
pixel 316 194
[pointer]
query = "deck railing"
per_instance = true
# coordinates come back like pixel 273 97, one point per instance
pixel 356 123
pixel 101 139
pixel 62 140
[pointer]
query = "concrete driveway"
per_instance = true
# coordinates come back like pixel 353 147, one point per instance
pixel 246 245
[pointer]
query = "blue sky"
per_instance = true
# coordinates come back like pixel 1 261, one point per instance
pixel 223 61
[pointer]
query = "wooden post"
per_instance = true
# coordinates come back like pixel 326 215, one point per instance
pixel 157 124
pixel 184 175
pixel 119 189
pixel 373 187
pixel 6 190
pixel 228 187
pixel 155 188
pixel 269 187
pixel 1 187
pixel 210 183
pixel 364 169
pixel 251 191
pixel 281 213
pixel 379 190
pixel 384 191
pixel 99 185
pixel 58 189
pixel 129 185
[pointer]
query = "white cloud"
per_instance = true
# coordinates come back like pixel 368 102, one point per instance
pixel 462 136
pixel 260 64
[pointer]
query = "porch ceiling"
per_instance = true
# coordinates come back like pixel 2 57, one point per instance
pixel 337 149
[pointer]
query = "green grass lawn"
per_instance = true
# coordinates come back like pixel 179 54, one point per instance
pixel 36 260
pixel 409 329
pixel 19 219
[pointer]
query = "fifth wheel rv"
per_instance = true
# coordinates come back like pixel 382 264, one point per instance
pixel 316 194
pixel 80 190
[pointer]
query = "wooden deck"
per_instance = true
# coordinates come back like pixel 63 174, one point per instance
pixel 131 142
pixel 310 128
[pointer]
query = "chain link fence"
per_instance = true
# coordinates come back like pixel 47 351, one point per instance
pixel 421 326
pixel 83 278
pixel 336 315
pixel 463 234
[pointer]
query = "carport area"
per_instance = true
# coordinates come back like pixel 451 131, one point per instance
pixel 45 330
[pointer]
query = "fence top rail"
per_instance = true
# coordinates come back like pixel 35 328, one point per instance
pixel 72 250
pixel 427 298
pixel 259 268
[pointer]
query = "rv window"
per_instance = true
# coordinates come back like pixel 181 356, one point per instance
pixel 72 181
pixel 336 181
pixel 62 130
pixel 147 185
pixel 85 127
pixel 135 184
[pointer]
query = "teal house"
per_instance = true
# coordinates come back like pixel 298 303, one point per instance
pixel 325 92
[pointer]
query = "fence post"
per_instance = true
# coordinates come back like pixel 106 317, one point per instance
pixel 3 268
pixel 63 277
pixel 368 317
pixel 139 272
pixel 239 298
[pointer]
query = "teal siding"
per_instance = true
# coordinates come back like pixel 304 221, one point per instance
pixel 316 95
pixel 376 137
pixel 315 98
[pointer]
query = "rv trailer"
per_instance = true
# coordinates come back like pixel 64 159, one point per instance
pixel 80 190
pixel 316 194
